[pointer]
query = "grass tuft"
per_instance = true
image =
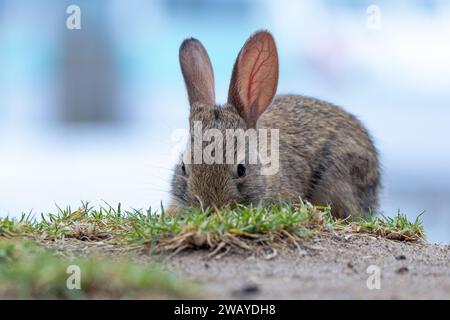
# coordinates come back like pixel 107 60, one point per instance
pixel 215 229
pixel 395 228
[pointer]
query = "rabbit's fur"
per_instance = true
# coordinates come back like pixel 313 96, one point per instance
pixel 326 156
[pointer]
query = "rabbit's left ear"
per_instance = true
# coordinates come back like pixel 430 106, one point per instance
pixel 197 72
pixel 255 77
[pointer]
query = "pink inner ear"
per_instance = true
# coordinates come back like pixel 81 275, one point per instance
pixel 258 73
pixel 253 81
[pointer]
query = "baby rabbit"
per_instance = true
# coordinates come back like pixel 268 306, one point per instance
pixel 326 156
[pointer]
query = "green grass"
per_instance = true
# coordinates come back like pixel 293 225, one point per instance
pixel 29 271
pixel 244 227
pixel 396 228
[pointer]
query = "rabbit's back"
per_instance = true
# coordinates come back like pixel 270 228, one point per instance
pixel 326 155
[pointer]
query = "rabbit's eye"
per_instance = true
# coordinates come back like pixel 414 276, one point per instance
pixel 183 168
pixel 241 170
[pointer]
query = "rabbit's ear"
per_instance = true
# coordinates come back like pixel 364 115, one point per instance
pixel 197 72
pixel 255 77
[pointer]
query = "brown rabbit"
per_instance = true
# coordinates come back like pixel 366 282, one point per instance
pixel 326 156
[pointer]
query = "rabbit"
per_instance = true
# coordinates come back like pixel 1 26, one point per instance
pixel 326 155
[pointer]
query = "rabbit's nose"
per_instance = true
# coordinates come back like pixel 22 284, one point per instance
pixel 207 202
pixel 211 201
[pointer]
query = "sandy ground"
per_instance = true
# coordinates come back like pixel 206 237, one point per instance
pixel 326 267
pixel 323 267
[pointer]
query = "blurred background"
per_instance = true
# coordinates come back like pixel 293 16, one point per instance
pixel 90 114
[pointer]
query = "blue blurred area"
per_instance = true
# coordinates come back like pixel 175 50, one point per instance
pixel 89 114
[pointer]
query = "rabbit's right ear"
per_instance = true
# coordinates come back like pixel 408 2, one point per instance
pixel 255 77
pixel 197 72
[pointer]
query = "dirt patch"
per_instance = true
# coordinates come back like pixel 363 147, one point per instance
pixel 325 267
